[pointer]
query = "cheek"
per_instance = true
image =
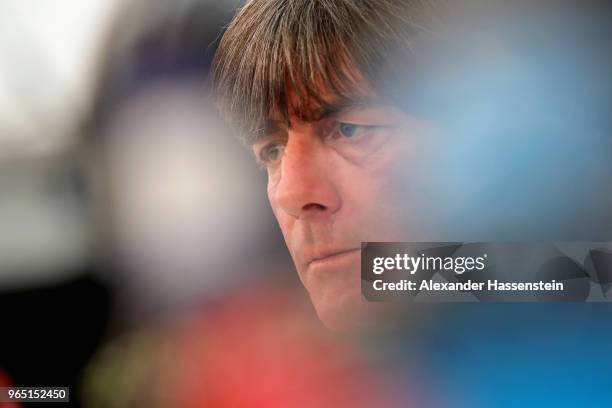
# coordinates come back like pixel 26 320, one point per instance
pixel 373 195
pixel 377 180
pixel 404 202
pixel 285 222
pixel 272 198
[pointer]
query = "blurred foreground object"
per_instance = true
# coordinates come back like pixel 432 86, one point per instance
pixel 262 347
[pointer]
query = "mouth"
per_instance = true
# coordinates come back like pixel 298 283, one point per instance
pixel 331 257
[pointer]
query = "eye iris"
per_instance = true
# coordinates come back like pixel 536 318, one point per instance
pixel 348 129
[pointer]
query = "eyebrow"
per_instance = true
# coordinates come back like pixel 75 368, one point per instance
pixel 340 106
pixel 328 110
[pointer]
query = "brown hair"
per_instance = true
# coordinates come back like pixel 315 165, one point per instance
pixel 343 47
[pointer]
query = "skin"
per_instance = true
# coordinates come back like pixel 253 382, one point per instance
pixel 333 183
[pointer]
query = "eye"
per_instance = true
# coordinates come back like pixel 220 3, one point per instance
pixel 348 129
pixel 271 153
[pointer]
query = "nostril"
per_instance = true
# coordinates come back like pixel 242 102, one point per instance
pixel 314 206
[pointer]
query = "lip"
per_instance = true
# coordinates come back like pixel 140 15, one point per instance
pixel 331 256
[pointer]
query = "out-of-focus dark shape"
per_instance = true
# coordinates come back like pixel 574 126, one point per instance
pixel 50 333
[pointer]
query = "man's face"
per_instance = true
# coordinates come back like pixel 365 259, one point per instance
pixel 332 184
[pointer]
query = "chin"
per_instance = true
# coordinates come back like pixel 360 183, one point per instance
pixel 350 311
pixel 340 313
pixel 335 292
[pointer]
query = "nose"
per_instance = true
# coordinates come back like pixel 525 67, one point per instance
pixel 306 188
